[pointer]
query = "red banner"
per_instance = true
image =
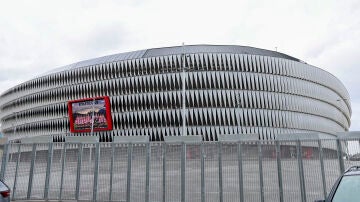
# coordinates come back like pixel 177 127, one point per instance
pixel 90 114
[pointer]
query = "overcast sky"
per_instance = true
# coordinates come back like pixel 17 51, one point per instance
pixel 39 35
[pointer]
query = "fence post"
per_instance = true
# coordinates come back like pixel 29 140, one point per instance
pixel 128 184
pixel 111 169
pixel 261 171
pixel 16 171
pixel 63 161
pixel 278 160
pixel 147 180
pixel 164 172
pixel 48 170
pixel 202 172
pixel 31 174
pixel 301 170
pixel 96 170
pixel 241 179
pixel 220 173
pixel 78 174
pixel 321 156
pixel 183 165
pixel 340 156
pixel 5 158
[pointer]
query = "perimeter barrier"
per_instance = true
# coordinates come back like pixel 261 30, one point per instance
pixel 228 170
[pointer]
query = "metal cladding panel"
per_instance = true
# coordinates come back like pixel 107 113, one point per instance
pixel 189 49
pixel 226 93
pixel 100 60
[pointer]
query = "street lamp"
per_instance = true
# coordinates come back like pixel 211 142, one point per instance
pixel 64 131
pixel 238 103
pixel 183 76
pixel 92 117
pixel 92 128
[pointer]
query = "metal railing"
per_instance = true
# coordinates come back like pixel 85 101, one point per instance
pixel 282 170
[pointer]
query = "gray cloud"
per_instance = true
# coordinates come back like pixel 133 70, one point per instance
pixel 37 36
pixel 103 39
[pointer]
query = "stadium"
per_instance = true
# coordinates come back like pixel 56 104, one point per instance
pixel 227 90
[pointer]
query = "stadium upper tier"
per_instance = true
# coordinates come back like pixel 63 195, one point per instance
pixel 228 90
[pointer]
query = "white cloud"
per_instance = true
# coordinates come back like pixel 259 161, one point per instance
pixel 37 36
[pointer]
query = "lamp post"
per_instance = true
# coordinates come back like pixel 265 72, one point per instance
pixel 183 76
pixel 64 131
pixel 238 101
pixel 92 117
pixel 63 135
pixel 92 128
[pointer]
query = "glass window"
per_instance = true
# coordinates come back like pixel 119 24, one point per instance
pixel 3 187
pixel 348 189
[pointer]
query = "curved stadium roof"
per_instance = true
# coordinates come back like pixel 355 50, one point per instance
pixel 187 49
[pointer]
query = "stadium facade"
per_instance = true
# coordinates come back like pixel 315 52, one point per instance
pixel 228 90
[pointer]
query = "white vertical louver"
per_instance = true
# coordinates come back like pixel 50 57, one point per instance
pixel 225 93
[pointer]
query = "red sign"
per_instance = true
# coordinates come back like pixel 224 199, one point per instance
pixel 90 114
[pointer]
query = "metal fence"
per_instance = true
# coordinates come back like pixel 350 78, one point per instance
pixel 208 171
